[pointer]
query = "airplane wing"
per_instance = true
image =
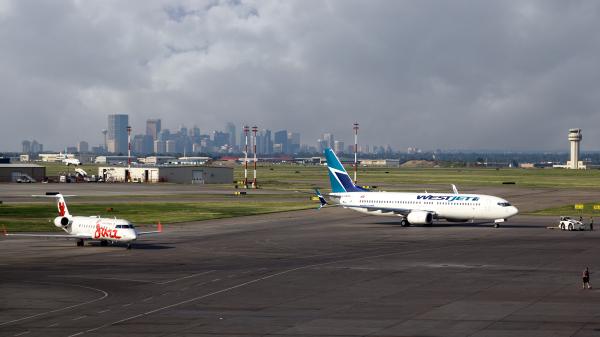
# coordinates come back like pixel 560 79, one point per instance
pixel 158 230
pixel 50 236
pixel 401 211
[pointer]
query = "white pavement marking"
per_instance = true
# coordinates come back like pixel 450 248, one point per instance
pixel 22 333
pixel 255 281
pixel 186 277
pixel 103 311
pixel 126 305
pixel 215 280
pixel 78 318
pixel 61 309
pixel 103 278
pixel 53 325
pixel 147 299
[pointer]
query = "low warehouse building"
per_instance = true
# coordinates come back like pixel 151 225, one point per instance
pixel 181 174
pixel 21 172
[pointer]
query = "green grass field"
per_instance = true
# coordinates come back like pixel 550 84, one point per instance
pixel 305 177
pixel 587 211
pixel 25 217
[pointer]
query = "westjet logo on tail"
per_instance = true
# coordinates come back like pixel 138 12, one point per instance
pixel 446 198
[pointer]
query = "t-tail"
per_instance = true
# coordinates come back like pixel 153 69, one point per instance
pixel 61 205
pixel 338 177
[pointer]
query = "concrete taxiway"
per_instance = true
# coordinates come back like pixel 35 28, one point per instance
pixel 332 272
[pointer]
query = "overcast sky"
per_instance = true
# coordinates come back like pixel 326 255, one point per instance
pixel 511 75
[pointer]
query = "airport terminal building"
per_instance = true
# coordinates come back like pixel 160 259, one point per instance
pixel 181 174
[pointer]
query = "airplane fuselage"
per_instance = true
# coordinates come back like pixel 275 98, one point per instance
pixel 453 207
pixel 96 228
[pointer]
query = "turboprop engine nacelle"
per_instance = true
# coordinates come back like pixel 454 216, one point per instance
pixel 420 218
pixel 62 222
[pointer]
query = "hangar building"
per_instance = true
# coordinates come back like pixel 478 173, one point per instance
pixel 181 174
pixel 12 172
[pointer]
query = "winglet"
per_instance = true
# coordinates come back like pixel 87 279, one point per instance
pixel 454 189
pixel 321 199
pixel 159 227
pixel 4 230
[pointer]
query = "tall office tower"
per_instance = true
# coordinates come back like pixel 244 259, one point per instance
pixel 338 146
pixel 83 147
pixel 153 127
pixel 160 147
pixel 230 129
pixel 293 142
pixel 137 144
pixel 117 133
pixel 280 141
pixel 26 146
pixel 220 138
pixel 328 138
pixel 170 146
pixel 36 147
pixel 321 145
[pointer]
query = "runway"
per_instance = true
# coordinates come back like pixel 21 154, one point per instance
pixel 332 272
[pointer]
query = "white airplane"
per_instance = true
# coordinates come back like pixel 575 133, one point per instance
pixel 65 159
pixel 413 208
pixel 83 228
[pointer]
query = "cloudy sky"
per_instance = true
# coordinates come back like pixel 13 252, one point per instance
pixel 474 74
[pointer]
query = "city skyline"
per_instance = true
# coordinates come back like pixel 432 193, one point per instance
pixel 434 75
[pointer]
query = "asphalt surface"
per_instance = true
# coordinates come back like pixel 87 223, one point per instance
pixel 332 272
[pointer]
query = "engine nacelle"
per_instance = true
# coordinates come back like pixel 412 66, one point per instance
pixel 420 218
pixel 62 222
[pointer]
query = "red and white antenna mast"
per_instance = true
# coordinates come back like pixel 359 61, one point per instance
pixel 246 129
pixel 128 147
pixel 355 150
pixel 254 130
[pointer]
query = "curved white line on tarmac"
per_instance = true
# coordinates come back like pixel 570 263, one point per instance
pixel 61 309
pixel 247 283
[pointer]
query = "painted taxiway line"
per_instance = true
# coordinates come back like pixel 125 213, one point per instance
pixel 186 277
pixel 105 295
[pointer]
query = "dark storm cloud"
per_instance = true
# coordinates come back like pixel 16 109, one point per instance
pixel 433 74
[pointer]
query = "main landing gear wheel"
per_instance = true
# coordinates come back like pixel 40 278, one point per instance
pixel 404 223
pixel 129 246
pixel 79 243
pixel 496 225
pixel 103 243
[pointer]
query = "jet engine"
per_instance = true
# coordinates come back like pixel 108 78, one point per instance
pixel 420 218
pixel 62 222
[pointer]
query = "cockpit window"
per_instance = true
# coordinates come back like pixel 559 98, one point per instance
pixel 504 204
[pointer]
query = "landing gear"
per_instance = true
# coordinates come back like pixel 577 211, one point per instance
pixel 128 246
pixel 80 243
pixel 103 243
pixel 496 225
pixel 404 223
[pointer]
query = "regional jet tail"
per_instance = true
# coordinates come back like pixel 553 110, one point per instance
pixel 414 208
pixel 83 228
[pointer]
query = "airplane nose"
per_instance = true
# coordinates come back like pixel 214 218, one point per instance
pixel 513 211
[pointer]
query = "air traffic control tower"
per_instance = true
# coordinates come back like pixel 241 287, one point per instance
pixel 575 139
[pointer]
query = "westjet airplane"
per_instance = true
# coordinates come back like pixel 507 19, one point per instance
pixel 413 208
pixel 83 228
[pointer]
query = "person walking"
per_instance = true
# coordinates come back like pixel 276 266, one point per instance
pixel 586 278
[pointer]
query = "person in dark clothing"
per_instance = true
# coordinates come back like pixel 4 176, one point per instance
pixel 586 278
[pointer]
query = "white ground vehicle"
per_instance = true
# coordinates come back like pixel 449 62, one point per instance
pixel 568 224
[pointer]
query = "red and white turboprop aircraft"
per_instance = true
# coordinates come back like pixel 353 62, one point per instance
pixel 83 228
